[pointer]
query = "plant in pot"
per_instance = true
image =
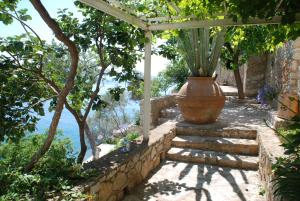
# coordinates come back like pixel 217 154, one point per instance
pixel 200 99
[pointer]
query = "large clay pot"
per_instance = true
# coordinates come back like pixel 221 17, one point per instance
pixel 200 100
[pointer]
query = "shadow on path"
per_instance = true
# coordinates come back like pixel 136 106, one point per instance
pixel 165 189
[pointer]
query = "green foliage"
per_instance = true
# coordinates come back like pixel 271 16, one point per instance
pixel 137 119
pixel 287 169
pixel 287 183
pixel 174 76
pixel 20 91
pixel 119 142
pixel 107 46
pixel 245 41
pixel 291 138
pixel 132 136
pixel 235 9
pixel 175 73
pixel 7 6
pixel 110 117
pixel 159 86
pixel 55 174
pixel 199 49
pixel 264 9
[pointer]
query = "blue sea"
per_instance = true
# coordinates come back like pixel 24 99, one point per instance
pixel 68 125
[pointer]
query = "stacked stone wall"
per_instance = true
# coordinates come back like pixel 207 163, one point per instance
pixel 226 77
pixel 280 70
pixel 269 149
pixel 296 63
pixel 158 104
pixel 254 74
pixel 120 172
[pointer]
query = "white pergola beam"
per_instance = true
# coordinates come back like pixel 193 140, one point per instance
pixel 116 12
pixel 117 4
pixel 147 87
pixel 183 18
pixel 216 22
pixel 167 18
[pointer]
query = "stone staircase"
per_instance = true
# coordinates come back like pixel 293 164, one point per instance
pixel 234 148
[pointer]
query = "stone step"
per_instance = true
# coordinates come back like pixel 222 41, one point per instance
pixel 213 158
pixel 198 130
pixel 220 144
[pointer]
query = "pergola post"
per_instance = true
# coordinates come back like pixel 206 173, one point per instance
pixel 147 87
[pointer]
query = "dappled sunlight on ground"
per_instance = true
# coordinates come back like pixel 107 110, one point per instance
pixel 180 181
pixel 176 181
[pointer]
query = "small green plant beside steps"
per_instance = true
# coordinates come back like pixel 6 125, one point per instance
pixel 287 168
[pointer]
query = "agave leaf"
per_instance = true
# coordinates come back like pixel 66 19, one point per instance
pixel 216 51
pixel 194 41
pixel 195 49
pixel 204 47
pixel 187 50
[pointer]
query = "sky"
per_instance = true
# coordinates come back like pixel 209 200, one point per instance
pixel 52 6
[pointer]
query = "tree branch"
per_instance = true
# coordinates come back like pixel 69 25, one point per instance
pixel 31 106
pixel 95 93
pixel 24 24
pixel 53 25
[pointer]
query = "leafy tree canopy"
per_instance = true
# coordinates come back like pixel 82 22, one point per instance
pixel 253 40
pixel 105 43
pixel 235 9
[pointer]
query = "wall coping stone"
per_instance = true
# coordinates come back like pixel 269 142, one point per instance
pixel 269 149
pixel 115 159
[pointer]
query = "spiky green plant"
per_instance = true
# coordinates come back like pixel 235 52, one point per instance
pixel 200 52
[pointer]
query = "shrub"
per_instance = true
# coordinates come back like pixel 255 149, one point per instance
pixel 132 136
pixel 55 174
pixel 287 169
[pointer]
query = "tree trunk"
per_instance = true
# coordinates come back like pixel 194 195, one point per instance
pixel 237 75
pixel 92 140
pixel 51 134
pixel 52 24
pixel 83 147
pixel 239 83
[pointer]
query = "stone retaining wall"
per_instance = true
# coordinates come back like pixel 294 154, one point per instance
pixel 254 74
pixel 121 172
pixel 269 149
pixel 280 70
pixel 296 62
pixel 226 77
pixel 283 71
pixel 158 104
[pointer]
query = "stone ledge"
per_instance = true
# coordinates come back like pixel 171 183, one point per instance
pixel 275 122
pixel 158 104
pixel 270 148
pixel 121 172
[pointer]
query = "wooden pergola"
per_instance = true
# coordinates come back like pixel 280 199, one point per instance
pixel 116 9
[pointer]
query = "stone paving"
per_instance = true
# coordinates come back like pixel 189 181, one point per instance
pixel 179 181
pixel 176 181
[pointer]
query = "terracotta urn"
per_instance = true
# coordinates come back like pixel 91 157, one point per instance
pixel 200 100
